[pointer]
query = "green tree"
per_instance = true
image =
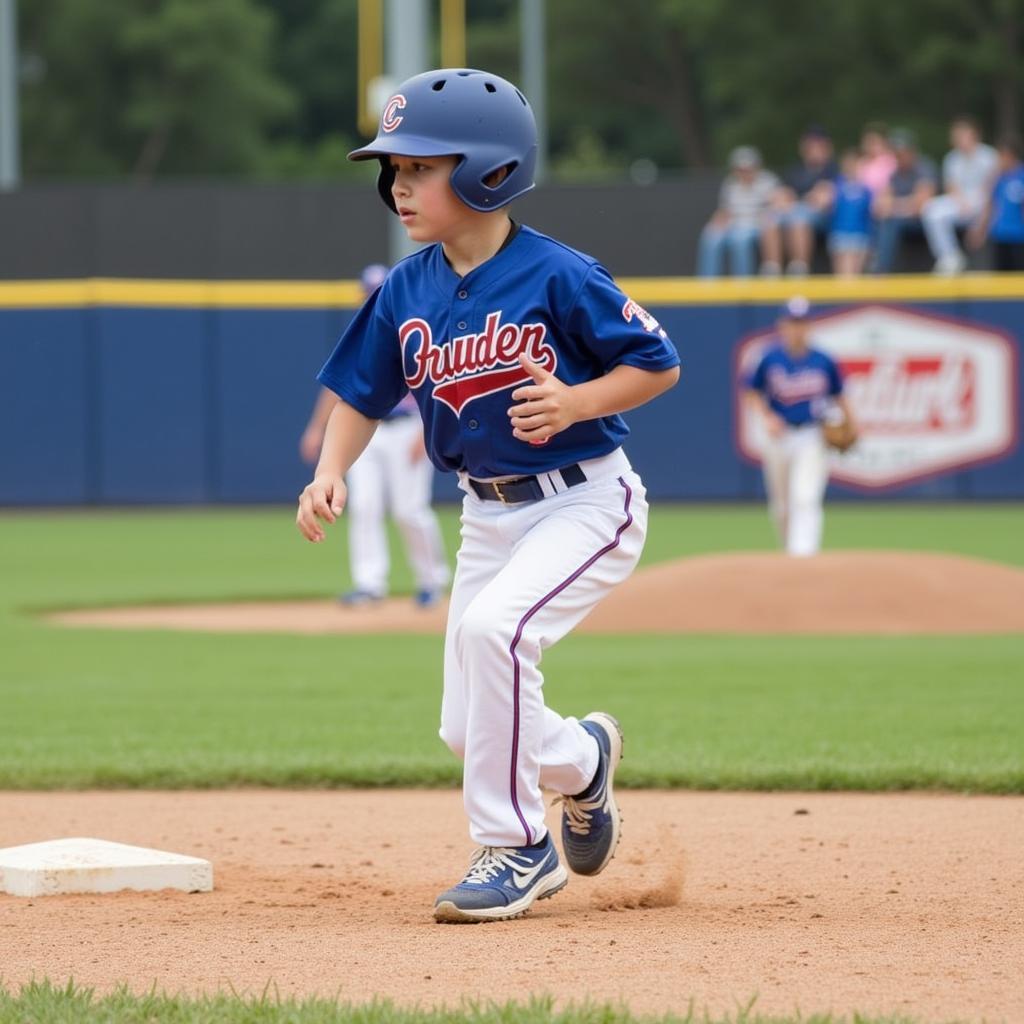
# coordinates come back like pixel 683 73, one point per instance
pixel 316 55
pixel 267 88
pixel 682 81
pixel 149 88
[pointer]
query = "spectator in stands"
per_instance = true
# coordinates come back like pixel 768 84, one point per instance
pixel 898 206
pixel 802 205
pixel 877 161
pixel 736 225
pixel 968 171
pixel 849 238
pixel 1002 220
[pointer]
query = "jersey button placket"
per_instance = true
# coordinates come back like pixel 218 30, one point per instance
pixel 462 324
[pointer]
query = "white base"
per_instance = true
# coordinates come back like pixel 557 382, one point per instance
pixel 95 865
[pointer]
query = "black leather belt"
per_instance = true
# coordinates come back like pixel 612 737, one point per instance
pixel 525 488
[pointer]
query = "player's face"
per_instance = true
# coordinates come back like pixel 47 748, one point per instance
pixel 428 208
pixel 794 334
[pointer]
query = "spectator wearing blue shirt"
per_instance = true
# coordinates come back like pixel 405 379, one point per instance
pixel 849 236
pixel 1003 218
pixel 793 388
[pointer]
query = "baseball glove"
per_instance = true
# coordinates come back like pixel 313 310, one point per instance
pixel 841 435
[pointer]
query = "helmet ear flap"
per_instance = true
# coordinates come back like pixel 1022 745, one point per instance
pixel 385 179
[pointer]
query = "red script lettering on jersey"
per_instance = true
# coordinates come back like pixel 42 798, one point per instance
pixel 473 365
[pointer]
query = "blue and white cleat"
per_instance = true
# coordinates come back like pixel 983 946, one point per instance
pixel 502 883
pixel 590 820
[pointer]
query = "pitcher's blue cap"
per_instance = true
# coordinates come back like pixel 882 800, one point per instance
pixel 796 308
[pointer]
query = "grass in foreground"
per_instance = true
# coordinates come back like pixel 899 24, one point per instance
pixel 88 708
pixel 159 710
pixel 45 1003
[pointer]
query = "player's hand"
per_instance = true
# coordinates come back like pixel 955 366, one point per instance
pixel 775 426
pixel 545 407
pixel 321 500
pixel 309 444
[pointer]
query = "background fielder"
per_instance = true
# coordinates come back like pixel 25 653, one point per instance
pixel 392 475
pixel 795 388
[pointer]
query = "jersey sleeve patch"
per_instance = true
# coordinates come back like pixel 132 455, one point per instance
pixel 633 309
pixel 616 329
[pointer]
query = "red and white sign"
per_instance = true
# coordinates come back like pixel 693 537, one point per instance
pixel 930 394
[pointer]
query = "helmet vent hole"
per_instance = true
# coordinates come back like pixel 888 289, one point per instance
pixel 438 85
pixel 522 98
pixel 500 175
pixel 490 87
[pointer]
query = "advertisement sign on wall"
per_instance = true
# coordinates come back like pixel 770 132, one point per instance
pixel 931 394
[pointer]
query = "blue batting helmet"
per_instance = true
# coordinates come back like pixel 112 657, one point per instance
pixel 474 115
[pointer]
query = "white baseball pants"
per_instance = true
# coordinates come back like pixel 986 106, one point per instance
pixel 795 476
pixel 525 575
pixel 383 479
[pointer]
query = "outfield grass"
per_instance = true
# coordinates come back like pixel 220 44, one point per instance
pixel 103 708
pixel 45 1003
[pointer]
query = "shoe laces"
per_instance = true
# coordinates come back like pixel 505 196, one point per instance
pixel 490 861
pixel 578 812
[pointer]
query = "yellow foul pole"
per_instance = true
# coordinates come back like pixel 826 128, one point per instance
pixel 370 61
pixel 453 33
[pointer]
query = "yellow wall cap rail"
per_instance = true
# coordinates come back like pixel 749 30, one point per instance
pixel 663 291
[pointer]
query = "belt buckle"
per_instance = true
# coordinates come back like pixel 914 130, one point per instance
pixel 498 491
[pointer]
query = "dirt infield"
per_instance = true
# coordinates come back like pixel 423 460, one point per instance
pixel 837 592
pixel 883 903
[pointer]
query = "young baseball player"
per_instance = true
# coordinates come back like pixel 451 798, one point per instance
pixel 393 473
pixel 521 353
pixel 794 388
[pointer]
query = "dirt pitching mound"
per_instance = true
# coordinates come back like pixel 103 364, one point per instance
pixel 865 592
pixel 837 592
pixel 901 904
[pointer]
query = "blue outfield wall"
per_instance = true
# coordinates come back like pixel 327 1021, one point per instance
pixel 186 392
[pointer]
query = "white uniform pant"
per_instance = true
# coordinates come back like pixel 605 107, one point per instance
pixel 383 479
pixel 525 575
pixel 795 476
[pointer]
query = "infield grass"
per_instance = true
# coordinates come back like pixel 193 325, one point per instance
pixel 45 1003
pixel 83 708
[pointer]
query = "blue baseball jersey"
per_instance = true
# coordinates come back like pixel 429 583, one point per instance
pixel 851 212
pixel 454 342
pixel 1008 207
pixel 797 388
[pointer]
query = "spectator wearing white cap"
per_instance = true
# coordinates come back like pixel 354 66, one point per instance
pixel 735 227
pixel 968 171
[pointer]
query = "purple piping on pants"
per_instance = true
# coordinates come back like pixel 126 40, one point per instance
pixel 519 634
